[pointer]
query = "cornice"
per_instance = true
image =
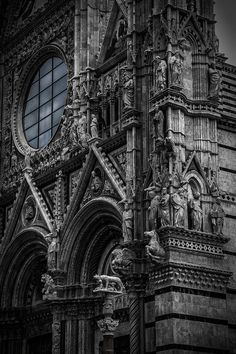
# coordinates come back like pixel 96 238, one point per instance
pixel 175 99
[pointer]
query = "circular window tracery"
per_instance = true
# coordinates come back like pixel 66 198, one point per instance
pixel 44 104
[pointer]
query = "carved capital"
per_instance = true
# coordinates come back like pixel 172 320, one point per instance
pixel 108 326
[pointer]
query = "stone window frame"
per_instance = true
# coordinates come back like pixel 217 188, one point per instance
pixel 21 90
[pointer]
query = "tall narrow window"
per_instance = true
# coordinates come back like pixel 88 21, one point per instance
pixel 45 102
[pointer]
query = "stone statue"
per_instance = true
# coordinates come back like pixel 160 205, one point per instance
pixel 28 159
pixel 127 224
pixel 164 207
pixel 195 212
pixel 53 248
pixel 178 202
pixel 109 284
pixel 158 126
pixel 49 286
pixel 94 126
pixel 214 82
pixel 74 132
pixel 176 69
pixel 154 250
pixel 122 260
pixel 131 57
pixel 160 69
pixel 128 90
pixel 153 192
pixel 217 215
pixel 96 185
pixel 30 211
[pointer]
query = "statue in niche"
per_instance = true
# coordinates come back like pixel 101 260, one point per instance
pixel 153 193
pixel 214 82
pixel 53 248
pixel 96 185
pixel 128 90
pixel 158 126
pixel 160 69
pixel 122 29
pixel 195 212
pixel 131 56
pixel 164 207
pixel 74 132
pixel 176 69
pixel 30 211
pixel 214 189
pixel 178 203
pixel 78 131
pixel 94 126
pixel 217 215
pixel 127 224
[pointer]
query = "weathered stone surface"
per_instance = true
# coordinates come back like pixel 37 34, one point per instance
pixel 137 183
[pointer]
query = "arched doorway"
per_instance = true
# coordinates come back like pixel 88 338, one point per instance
pixel 86 248
pixel 26 317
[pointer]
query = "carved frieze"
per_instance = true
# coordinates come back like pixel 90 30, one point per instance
pixel 189 277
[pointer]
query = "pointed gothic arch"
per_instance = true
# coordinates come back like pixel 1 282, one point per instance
pixel 88 241
pixel 27 250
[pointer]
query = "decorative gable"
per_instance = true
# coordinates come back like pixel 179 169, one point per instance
pixel 115 37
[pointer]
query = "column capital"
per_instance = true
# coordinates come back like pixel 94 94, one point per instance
pixel 108 326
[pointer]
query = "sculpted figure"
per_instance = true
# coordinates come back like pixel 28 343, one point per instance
pixel 74 132
pixel 108 283
pixel 214 82
pixel 176 69
pixel 122 259
pixel 96 185
pixel 53 248
pixel 128 91
pixel 49 285
pixel 178 202
pixel 158 126
pixel 217 215
pixel 164 207
pixel 153 192
pixel 160 68
pixel 195 212
pixel 94 126
pixel 127 224
pixel 29 211
pixel 154 250
pixel 131 58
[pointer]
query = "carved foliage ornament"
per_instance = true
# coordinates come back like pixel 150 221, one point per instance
pixel 108 325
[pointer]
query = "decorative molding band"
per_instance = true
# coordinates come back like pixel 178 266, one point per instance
pixel 191 240
pixel 189 276
pixel 177 99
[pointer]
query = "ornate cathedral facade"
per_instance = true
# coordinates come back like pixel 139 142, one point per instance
pixel 117 179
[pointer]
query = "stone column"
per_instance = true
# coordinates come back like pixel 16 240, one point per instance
pixel 108 325
pixel 56 334
pixel 134 314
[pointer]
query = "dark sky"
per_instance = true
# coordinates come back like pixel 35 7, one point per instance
pixel 225 11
